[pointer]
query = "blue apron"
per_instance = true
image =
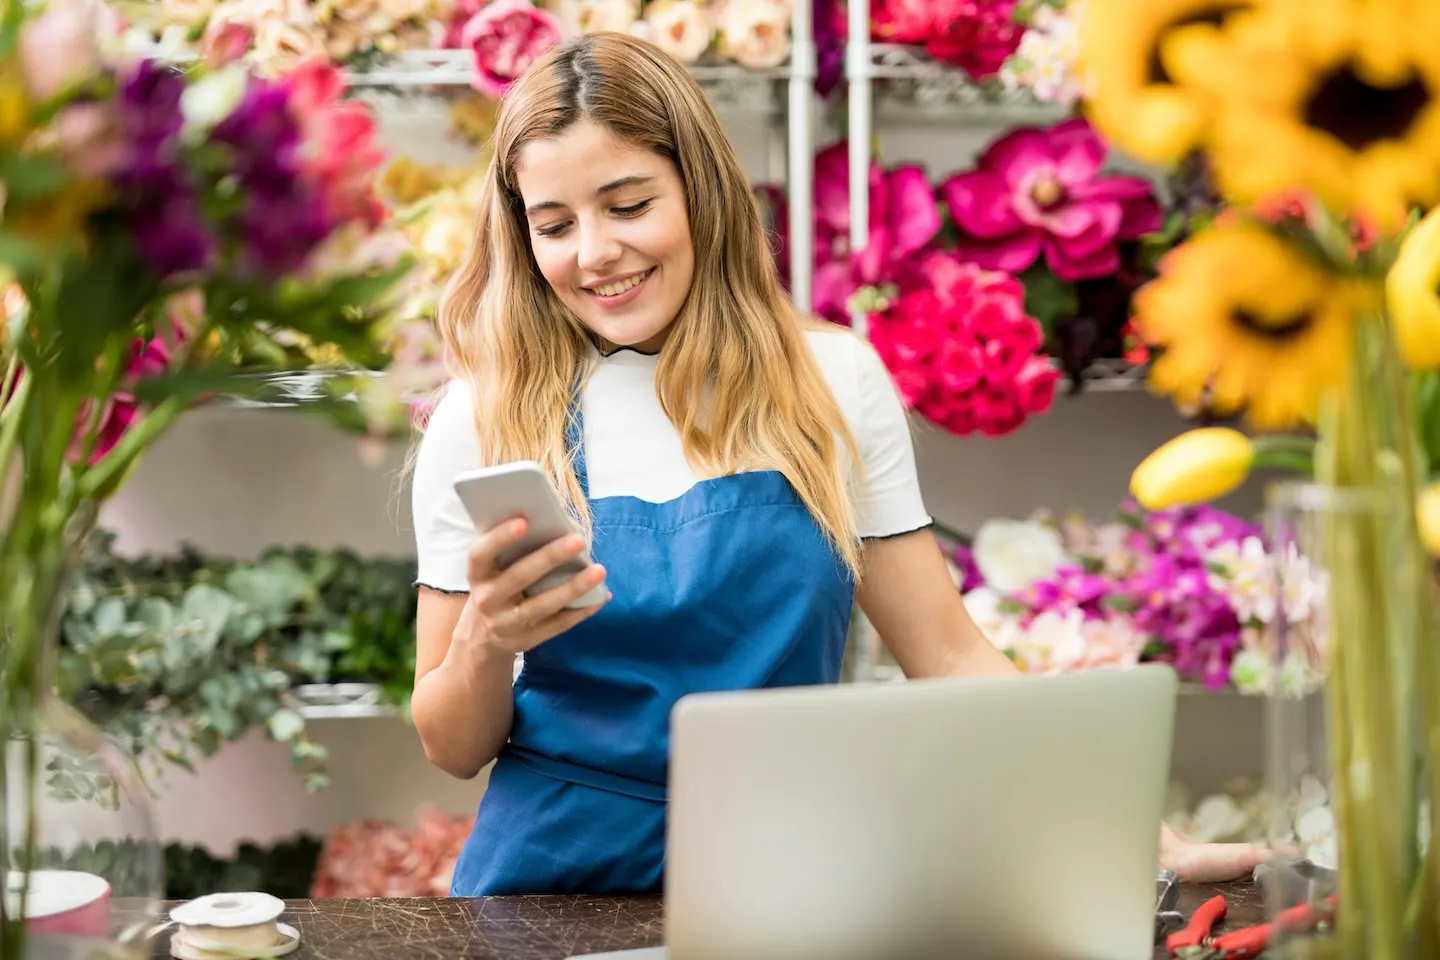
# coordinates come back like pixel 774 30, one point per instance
pixel 730 586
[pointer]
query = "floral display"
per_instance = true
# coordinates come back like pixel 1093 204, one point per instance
pixel 506 36
pixel 1044 61
pixel 1039 192
pixel 1303 308
pixel 963 352
pixel 1037 211
pixel 164 231
pixel 375 858
pixel 1246 813
pixel 1193 587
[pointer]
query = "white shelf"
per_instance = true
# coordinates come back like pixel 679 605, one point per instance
pixel 339 701
pixel 909 84
pixel 730 87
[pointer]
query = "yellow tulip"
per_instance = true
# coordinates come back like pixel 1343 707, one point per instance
pixel 1197 466
pixel 1427 517
pixel 1412 295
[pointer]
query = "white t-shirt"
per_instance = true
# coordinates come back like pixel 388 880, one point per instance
pixel 632 449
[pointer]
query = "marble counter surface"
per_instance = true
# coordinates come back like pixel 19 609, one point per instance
pixel 540 928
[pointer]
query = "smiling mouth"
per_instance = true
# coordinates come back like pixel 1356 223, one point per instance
pixel 620 287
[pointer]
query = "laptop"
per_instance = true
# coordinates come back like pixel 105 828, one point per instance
pixel 944 818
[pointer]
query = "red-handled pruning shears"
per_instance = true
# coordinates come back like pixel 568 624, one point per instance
pixel 1196 943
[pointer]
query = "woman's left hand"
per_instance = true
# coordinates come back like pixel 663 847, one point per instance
pixel 1209 862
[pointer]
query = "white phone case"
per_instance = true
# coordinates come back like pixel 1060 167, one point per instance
pixel 494 495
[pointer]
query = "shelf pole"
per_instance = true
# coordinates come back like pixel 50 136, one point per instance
pixel 859 68
pixel 802 154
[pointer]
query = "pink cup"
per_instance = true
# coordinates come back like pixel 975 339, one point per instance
pixel 64 902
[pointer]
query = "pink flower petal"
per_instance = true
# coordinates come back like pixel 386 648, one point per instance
pixel 832 187
pixel 1101 262
pixel 831 287
pixel 981 204
pixel 1111 189
pixel 913 215
pixel 1013 155
pixel 1011 254
pixel 1139 217
pixel 1077 150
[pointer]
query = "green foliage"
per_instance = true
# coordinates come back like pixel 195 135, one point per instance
pixel 285 870
pixel 174 656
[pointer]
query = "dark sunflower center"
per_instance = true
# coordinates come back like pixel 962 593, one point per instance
pixel 1280 328
pixel 1211 15
pixel 1358 114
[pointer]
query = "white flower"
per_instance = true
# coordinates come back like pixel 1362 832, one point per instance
pixel 681 28
pixel 210 99
pixel 1013 554
pixel 1247 577
pixel 599 16
pixel 985 608
pixel 1052 642
pixel 755 33
pixel 1219 818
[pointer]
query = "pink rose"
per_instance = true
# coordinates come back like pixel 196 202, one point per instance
pixel 1036 383
pixel 977 36
pixel 60 49
pixel 506 37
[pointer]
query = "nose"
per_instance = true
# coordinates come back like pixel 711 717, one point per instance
pixel 599 247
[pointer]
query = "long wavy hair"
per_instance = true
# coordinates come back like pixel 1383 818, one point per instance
pixel 735 377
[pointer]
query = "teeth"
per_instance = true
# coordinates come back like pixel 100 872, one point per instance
pixel 615 289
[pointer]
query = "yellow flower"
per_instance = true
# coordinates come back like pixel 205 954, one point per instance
pixel 1242 321
pixel 15 123
pixel 1130 95
pixel 1195 467
pixel 1427 517
pixel 1412 295
pixel 1337 98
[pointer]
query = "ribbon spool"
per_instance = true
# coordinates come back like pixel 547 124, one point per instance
pixel 231 926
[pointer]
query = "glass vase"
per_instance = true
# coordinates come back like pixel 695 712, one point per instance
pixel 96 869
pixel 1344 753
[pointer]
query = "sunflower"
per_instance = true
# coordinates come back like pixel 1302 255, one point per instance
pixel 1130 95
pixel 1243 321
pixel 1338 98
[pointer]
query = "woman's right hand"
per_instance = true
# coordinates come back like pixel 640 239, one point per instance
pixel 498 615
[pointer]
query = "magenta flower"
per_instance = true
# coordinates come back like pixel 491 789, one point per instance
pixel 506 37
pixel 977 36
pixel 1037 191
pixel 903 219
pixel 963 352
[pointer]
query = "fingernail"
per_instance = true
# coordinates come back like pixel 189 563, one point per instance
pixel 517 526
pixel 575 544
pixel 597 574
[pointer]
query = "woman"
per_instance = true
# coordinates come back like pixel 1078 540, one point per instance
pixel 744 478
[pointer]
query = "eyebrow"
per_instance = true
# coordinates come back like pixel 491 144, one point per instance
pixel 603 189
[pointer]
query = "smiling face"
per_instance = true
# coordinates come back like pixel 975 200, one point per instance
pixel 609 231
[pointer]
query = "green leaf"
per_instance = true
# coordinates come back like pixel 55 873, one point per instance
pixel 31 176
pixel 1047 298
pixel 108 617
pixel 285 725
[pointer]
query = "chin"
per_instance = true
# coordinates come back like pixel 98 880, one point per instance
pixel 631 335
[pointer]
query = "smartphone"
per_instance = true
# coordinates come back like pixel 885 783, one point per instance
pixel 495 495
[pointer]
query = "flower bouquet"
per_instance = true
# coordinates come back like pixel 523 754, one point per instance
pixel 1317 319
pixel 162 230
pixel 1190 586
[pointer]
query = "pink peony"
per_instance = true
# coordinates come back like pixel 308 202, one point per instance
pixel 1038 191
pixel 903 219
pixel 341 155
pixel 963 352
pixel 506 37
pixel 977 36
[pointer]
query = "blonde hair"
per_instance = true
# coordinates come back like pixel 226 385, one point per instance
pixel 735 377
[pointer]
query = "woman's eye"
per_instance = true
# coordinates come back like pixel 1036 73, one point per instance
pixel 634 210
pixel 553 230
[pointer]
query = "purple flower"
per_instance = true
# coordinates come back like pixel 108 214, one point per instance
pixel 828 16
pixel 265 138
pixel 171 236
pixel 964 560
pixel 279 234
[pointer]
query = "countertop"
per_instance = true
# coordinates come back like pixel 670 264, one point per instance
pixel 542 928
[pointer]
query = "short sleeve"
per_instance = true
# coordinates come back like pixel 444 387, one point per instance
pixel 890 499
pixel 443 531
